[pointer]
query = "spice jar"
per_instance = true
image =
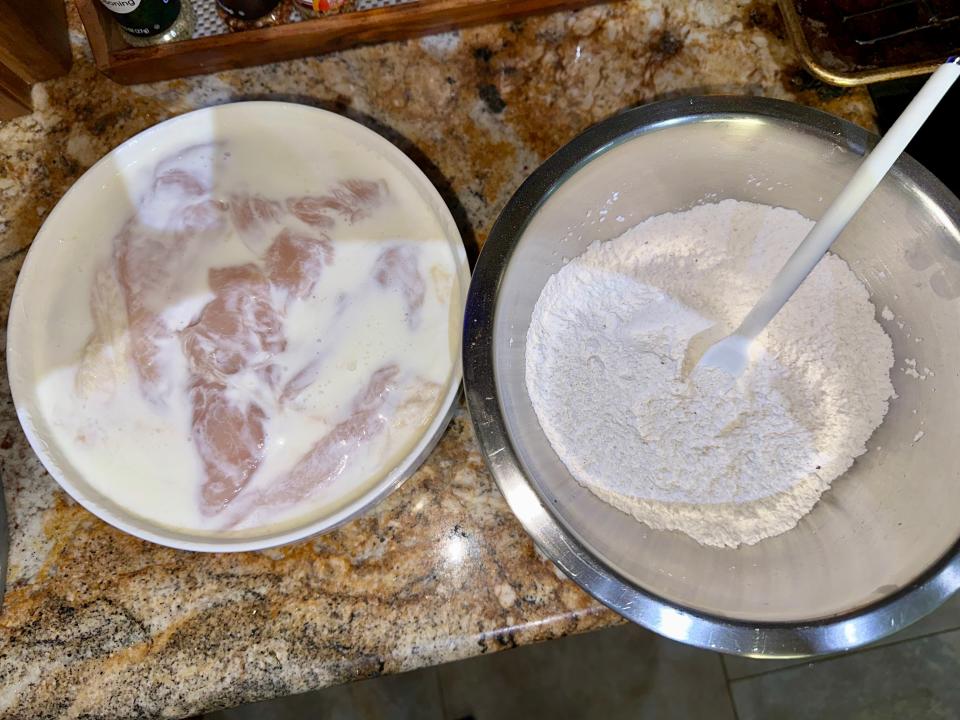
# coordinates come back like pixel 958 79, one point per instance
pixel 151 22
pixel 249 14
pixel 316 8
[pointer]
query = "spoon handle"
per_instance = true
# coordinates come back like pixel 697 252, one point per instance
pixel 854 194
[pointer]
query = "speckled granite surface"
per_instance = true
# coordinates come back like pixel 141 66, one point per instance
pixel 98 624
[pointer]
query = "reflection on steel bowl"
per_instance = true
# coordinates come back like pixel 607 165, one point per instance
pixel 880 550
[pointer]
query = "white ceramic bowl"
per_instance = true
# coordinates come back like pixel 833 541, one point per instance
pixel 72 225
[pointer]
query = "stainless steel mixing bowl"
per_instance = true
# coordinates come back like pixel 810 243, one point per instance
pixel 880 549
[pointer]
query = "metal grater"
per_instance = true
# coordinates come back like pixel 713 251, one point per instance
pixel 849 42
pixel 209 22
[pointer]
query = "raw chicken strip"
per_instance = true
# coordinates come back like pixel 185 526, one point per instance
pixel 179 180
pixel 239 328
pixel 250 211
pixel 136 253
pixel 104 361
pixel 229 440
pixel 192 168
pixel 311 210
pixel 359 198
pixel 150 254
pixel 330 456
pixel 295 261
pixel 353 200
pixel 394 268
pixel 254 217
pixel 418 405
pixel 236 330
pixel 397 269
pixel 302 380
pixel 202 219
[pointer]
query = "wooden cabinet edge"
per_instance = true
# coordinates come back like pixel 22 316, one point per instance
pixel 127 65
pixel 14 95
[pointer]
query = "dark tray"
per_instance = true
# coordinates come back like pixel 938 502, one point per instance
pixel 851 42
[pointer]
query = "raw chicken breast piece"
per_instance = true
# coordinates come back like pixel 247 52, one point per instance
pixel 352 200
pixel 397 269
pixel 295 262
pixel 239 328
pixel 230 442
pixel 331 454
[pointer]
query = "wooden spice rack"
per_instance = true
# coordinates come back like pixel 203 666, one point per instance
pixel 128 65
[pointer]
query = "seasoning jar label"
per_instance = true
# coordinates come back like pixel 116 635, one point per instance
pixel 144 17
pixel 121 6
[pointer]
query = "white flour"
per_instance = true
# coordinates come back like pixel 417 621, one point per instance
pixel 727 463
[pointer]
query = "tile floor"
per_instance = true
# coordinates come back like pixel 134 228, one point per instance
pixel 627 672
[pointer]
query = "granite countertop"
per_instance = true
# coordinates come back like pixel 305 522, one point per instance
pixel 99 624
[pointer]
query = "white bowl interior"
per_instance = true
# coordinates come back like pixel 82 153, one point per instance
pixel 895 512
pixel 75 232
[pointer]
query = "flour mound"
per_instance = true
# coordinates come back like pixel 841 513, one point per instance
pixel 726 462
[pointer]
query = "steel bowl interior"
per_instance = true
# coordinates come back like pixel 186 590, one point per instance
pixel 880 548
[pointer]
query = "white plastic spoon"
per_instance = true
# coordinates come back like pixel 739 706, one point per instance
pixel 732 352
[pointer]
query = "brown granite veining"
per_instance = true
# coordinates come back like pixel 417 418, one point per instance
pixel 98 624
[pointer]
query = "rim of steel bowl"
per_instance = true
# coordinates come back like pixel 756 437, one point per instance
pixel 760 639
